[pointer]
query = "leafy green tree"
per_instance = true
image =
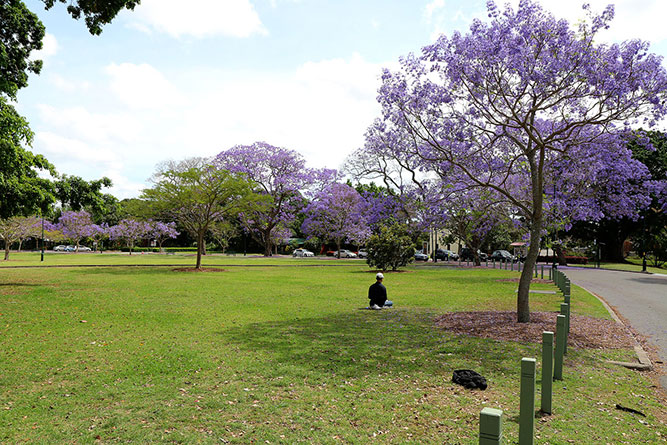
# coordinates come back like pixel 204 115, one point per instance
pixel 198 196
pixel 390 248
pixel 22 191
pixel 95 13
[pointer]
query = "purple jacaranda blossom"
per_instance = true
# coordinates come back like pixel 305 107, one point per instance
pixel 337 214
pixel 161 231
pixel 75 226
pixel 521 105
pixel 281 175
pixel 129 231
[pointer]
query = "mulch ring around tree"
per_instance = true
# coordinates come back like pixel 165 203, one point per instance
pixel 516 280
pixel 585 332
pixel 203 269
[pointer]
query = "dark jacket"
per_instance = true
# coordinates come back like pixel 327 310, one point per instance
pixel 377 293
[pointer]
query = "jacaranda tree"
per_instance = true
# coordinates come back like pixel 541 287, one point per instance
pixel 281 176
pixel 518 100
pixel 337 214
pixel 129 231
pixel 75 226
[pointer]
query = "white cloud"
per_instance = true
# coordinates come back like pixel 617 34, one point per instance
pixel 142 86
pixel 68 86
pixel 63 150
pixel 321 109
pixel 633 19
pixel 432 8
pixel 643 19
pixel 50 48
pixel 199 18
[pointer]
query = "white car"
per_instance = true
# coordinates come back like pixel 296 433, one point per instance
pixel 60 248
pixel 344 253
pixel 302 253
pixel 85 249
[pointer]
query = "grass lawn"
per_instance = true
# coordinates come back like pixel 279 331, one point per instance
pixel 281 354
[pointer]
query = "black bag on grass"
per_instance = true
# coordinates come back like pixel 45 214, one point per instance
pixel 469 379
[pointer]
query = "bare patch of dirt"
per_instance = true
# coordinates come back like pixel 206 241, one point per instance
pixel 203 269
pixel 585 332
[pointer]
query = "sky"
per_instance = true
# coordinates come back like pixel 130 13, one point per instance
pixel 175 79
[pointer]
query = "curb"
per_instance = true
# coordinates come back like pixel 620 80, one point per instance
pixel 644 362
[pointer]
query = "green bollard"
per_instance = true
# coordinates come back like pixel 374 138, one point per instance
pixel 487 261
pixel 565 310
pixel 568 287
pixel 547 371
pixel 550 274
pixel 512 267
pixel 527 402
pixel 542 272
pixel 560 347
pixel 490 426
pixel 535 271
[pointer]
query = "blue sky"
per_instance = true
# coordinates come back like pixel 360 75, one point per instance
pixel 164 82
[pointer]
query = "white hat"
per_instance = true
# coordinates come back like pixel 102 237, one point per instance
pixel 379 276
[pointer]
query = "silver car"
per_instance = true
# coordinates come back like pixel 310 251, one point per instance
pixel 302 253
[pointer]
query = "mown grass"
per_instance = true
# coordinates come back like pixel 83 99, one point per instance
pixel 282 354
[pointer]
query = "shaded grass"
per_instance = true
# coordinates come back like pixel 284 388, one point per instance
pixel 280 354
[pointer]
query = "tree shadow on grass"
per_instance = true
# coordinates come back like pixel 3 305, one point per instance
pixel 361 343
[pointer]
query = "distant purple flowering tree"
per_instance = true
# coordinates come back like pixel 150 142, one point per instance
pixel 161 231
pixel 279 174
pixel 75 226
pixel 337 214
pixel 516 100
pixel 129 231
pixel 99 232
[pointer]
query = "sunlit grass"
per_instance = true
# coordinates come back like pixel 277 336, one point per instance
pixel 280 354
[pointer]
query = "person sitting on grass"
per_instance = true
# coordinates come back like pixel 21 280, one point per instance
pixel 377 293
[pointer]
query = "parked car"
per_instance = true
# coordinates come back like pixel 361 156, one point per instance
pixel 362 254
pixel 467 254
pixel 302 253
pixel 60 248
pixel 502 255
pixel 85 249
pixel 443 254
pixel 70 249
pixel 344 253
pixel 420 256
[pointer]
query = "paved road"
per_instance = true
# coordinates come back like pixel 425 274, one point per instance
pixel 640 298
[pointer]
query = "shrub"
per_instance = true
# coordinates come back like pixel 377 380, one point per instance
pixel 390 248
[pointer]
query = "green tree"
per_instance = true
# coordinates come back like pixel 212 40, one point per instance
pixel 95 13
pixel 22 191
pixel 390 248
pixel 198 196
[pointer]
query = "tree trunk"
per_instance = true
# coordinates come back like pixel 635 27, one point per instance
pixel 160 244
pixel 20 244
pixel 523 296
pixel 338 248
pixel 200 242
pixel 560 255
pixel 6 250
pixel 267 242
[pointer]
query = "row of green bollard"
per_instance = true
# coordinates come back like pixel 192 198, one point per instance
pixel 490 421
